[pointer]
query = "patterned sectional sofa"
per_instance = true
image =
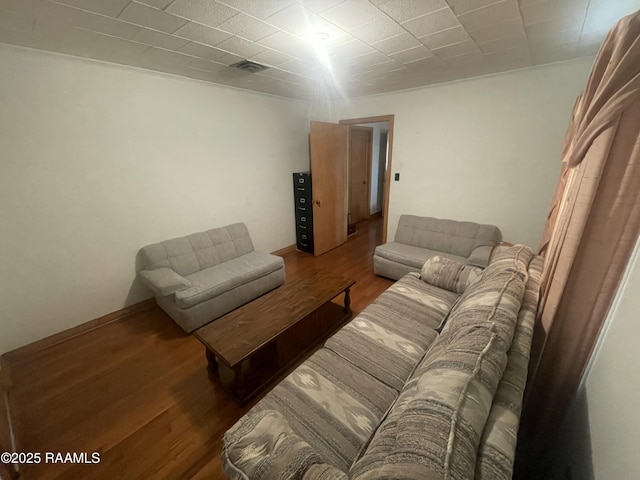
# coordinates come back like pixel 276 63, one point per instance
pixel 425 383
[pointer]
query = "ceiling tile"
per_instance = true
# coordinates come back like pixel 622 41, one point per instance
pixel 271 57
pixel 350 49
pixel 370 58
pixel 588 49
pixel 432 23
pixel 111 8
pixel 164 56
pixel 541 54
pixel 504 43
pixel 456 49
pixel 207 12
pixel 403 10
pixel 202 33
pixel 396 44
pixel 151 18
pixel 463 6
pixel 603 15
pixel 490 15
pixel 161 4
pixel 259 8
pixel 202 51
pixel 202 64
pixel 247 27
pixel 159 39
pixel 17 21
pixel 287 44
pixel 106 45
pixel 32 7
pixel 70 16
pixel 74 41
pixel 539 12
pixel 553 31
pixel 297 20
pixel 240 46
pixel 468 60
pixel 353 14
pixel 509 59
pixel 298 67
pixel 510 28
pixel 411 55
pixel 318 6
pixel 593 36
pixel 229 59
pixel 378 30
pixel 445 37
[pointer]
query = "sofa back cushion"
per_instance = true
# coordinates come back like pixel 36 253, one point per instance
pixel 195 252
pixel 448 236
pixel 435 432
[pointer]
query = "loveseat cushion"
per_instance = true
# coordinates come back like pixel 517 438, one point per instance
pixel 330 404
pixel 195 252
pixel 448 274
pixel 221 278
pixel 410 255
pixel 389 337
pixel 443 235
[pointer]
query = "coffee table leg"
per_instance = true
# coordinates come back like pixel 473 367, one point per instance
pixel 211 361
pixel 347 301
pixel 239 382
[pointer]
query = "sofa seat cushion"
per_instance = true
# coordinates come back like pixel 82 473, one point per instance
pixel 221 278
pixel 391 335
pixel 330 404
pixel 410 255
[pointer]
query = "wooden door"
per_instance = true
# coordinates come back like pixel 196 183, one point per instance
pixel 360 147
pixel 329 146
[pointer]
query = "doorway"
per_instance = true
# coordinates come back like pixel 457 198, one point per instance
pixel 371 165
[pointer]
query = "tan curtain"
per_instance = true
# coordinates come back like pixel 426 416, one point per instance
pixel 591 230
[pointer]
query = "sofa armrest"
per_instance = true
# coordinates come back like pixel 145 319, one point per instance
pixel 479 256
pixel 448 274
pixel 164 281
pixel 263 444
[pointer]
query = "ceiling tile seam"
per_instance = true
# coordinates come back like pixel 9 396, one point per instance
pixel 479 8
pixel 402 26
pixel 524 29
pixel 123 9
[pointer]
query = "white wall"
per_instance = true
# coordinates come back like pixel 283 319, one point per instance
pixel 484 150
pixel 98 160
pixel 613 386
pixel 599 437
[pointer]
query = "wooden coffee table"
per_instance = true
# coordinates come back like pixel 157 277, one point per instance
pixel 255 344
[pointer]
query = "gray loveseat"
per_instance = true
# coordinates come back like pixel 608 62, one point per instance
pixel 419 238
pixel 395 394
pixel 202 276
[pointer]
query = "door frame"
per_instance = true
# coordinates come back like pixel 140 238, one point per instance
pixel 387 172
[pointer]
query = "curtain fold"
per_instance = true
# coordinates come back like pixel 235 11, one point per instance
pixel 591 230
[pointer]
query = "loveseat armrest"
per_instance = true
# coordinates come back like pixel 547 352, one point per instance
pixel 479 256
pixel 164 281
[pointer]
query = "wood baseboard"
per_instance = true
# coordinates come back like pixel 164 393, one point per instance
pixel 81 329
pixel 284 251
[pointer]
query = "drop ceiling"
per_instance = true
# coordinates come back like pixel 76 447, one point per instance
pixel 373 47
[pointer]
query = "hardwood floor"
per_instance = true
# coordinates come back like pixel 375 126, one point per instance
pixel 137 390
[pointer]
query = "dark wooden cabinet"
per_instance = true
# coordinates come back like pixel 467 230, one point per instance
pixel 303 211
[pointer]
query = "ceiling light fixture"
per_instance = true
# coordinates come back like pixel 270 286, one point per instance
pixel 321 37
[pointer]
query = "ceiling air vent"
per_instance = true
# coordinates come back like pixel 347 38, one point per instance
pixel 249 66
